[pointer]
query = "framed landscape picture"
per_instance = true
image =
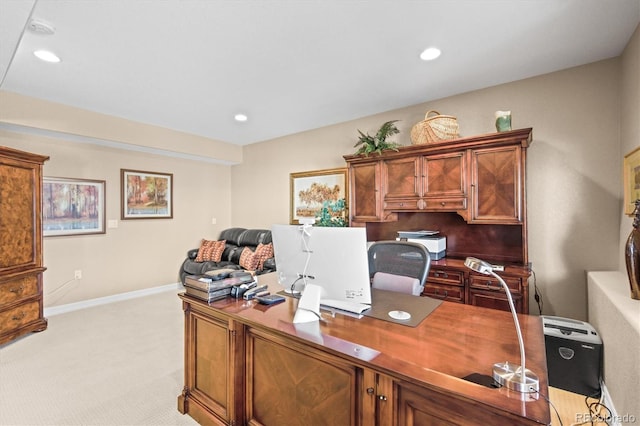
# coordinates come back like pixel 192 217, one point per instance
pixel 310 191
pixel 72 206
pixel 146 195
pixel 631 180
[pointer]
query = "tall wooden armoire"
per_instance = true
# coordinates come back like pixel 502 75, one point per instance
pixel 21 304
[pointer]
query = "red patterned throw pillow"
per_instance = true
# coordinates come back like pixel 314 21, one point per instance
pixel 210 251
pixel 263 252
pixel 254 260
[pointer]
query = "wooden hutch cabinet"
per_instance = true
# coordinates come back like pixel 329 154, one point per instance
pixel 21 308
pixel 470 189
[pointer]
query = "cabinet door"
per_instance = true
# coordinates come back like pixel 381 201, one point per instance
pixel 444 175
pixel 366 202
pixel 427 407
pixel 377 398
pixel 496 185
pixel 400 178
pixel 211 364
pixel 20 227
pixel 291 384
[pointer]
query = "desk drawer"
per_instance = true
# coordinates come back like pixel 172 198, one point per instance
pixel 17 289
pixel 443 276
pixel 446 204
pixel 495 300
pixel 401 205
pixel 19 316
pixel 445 292
pixel 489 283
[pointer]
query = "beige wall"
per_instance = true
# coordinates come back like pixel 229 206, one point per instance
pixel 584 120
pixel 573 169
pixel 138 254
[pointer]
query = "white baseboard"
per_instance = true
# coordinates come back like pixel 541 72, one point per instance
pixel 608 402
pixel 55 310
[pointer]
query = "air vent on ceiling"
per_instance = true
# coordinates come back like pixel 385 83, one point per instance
pixel 40 27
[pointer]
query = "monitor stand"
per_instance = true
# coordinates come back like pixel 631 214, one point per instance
pixel 292 292
pixel 309 305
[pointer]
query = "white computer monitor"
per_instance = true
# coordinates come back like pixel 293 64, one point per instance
pixel 334 258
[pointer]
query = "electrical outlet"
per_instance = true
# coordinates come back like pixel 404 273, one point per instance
pixel 78 274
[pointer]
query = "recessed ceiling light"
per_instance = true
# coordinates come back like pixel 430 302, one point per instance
pixel 240 117
pixel 47 56
pixel 430 54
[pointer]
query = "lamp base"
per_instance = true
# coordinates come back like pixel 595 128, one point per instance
pixel 511 376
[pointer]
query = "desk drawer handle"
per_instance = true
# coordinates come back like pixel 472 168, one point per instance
pixel 490 287
pixel 19 317
pixel 446 292
pixel 17 290
pixel 441 274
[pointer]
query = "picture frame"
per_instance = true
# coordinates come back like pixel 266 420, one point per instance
pixel 72 206
pixel 146 195
pixel 309 190
pixel 631 172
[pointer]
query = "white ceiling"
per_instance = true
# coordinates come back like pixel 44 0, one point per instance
pixel 291 66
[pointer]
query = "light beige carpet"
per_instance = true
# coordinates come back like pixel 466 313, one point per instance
pixel 115 364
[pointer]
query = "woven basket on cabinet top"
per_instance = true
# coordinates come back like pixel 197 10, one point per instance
pixel 434 129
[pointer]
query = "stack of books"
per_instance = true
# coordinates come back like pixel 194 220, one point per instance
pixel 208 289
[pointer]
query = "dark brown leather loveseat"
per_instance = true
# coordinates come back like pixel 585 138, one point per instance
pixel 236 240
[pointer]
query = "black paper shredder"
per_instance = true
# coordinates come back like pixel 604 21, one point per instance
pixel 574 355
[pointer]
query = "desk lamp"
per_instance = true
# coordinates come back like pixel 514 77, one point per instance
pixel 514 377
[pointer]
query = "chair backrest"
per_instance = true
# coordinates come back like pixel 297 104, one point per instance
pixel 407 261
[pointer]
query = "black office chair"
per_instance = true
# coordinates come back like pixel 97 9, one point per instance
pixel 399 266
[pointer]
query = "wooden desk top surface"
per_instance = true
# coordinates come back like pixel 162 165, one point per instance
pixel 454 341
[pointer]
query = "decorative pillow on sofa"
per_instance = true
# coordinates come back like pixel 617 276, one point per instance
pixel 254 260
pixel 210 251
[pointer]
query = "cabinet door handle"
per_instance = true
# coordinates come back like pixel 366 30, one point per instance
pixel 370 391
pixel 382 397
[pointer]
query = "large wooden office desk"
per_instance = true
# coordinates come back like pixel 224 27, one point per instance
pixel 247 363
